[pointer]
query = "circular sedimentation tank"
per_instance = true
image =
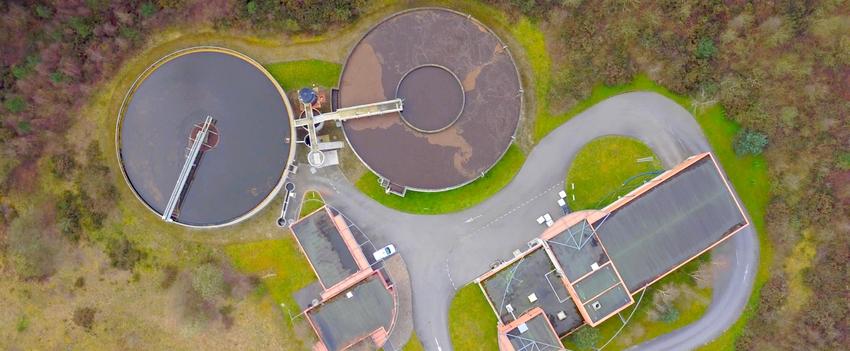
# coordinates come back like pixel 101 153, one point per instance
pixel 251 144
pixel 461 91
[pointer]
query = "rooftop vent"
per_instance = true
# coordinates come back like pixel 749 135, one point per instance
pixel 522 328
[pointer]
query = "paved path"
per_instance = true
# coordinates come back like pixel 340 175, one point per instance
pixel 445 252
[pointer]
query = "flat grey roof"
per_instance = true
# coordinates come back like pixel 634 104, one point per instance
pixel 595 283
pixel 576 249
pixel 669 224
pixel 538 337
pixel 609 302
pixel 325 248
pixel 532 274
pixel 342 321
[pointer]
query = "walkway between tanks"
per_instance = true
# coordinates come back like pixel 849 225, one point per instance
pixel 445 252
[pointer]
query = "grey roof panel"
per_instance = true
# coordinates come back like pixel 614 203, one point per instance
pixel 533 274
pixel 609 302
pixel 595 283
pixel 325 248
pixel 538 336
pixel 576 260
pixel 342 320
pixel 669 224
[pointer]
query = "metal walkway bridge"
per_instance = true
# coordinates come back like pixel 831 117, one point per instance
pixel 191 161
pixel 316 157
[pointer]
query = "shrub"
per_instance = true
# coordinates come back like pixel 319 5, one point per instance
pixel 169 277
pixel 15 104
pixel 22 71
pixel 670 315
pixel 844 161
pixel 31 249
pixel 84 317
pixel 819 207
pixel 43 11
pixel 81 27
pixel 57 77
pixel 23 324
pixel 750 142
pixel 24 127
pixel 226 315
pixel 69 215
pixel 129 33
pixel 147 9
pixel 251 8
pixel 62 165
pixel 706 48
pixel 123 254
pixel 586 337
pixel 208 281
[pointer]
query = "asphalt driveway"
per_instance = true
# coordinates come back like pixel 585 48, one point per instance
pixel 445 252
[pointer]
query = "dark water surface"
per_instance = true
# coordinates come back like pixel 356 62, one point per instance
pixel 252 151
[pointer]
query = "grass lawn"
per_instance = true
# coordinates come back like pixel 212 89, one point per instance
pixel 643 326
pixel 312 201
pixel 452 200
pixel 292 75
pixel 413 344
pixel 472 323
pixel 280 264
pixel 598 173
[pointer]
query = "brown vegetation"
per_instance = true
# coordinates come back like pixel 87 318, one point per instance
pixel 70 249
pixel 55 52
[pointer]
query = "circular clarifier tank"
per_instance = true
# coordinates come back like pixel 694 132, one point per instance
pixel 245 157
pixel 462 99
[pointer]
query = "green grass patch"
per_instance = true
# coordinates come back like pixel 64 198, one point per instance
pixel 643 326
pixel 312 201
pixel 279 263
pixel 448 201
pixel 472 323
pixel 599 171
pixel 292 75
pixel 413 344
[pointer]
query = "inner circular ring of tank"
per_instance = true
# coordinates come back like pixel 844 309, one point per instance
pixel 243 166
pixel 433 98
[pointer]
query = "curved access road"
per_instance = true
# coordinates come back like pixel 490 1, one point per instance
pixel 445 252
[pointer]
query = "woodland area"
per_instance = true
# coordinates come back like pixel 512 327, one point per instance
pixel 779 68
